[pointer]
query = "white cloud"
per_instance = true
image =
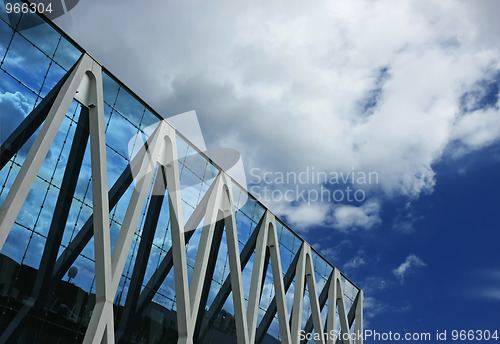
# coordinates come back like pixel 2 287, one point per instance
pixel 405 222
pixel 331 253
pixel 14 106
pixel 354 263
pixel 411 263
pixel 476 129
pixel 290 86
pixel 303 215
pixel 372 284
pixel 372 308
pixel 366 216
pixel 344 218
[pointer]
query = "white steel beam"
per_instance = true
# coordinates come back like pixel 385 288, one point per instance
pixel 235 267
pixel 305 273
pixel 336 302
pixel 358 326
pixel 267 238
pixel 185 326
pixel 85 84
pixel 205 243
pixel 19 190
pixel 100 327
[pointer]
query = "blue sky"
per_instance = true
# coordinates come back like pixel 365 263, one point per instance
pixel 455 234
pixel 409 90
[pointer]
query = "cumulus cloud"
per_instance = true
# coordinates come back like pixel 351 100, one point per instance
pixel 375 85
pixel 411 263
pixel 14 107
pixel 366 216
pixel 302 216
pixel 373 284
pixel 475 130
pixel 332 253
pixel 354 263
pixel 373 307
pixel 343 217
pixel 405 223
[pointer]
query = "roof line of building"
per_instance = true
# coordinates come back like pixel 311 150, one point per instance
pixel 154 112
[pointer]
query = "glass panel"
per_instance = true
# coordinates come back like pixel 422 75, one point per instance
pixel 110 89
pixel 287 239
pixel 119 133
pixel 259 212
pixel 44 37
pixel 129 107
pixel 197 164
pixel 244 226
pixel 286 258
pixel 237 191
pixel 54 75
pixel 148 120
pixel 26 63
pixel 249 208
pixel 221 270
pixel 190 187
pixel 6 34
pixel 66 54
pixel 14 106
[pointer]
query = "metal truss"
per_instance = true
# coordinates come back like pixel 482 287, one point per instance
pixel 84 83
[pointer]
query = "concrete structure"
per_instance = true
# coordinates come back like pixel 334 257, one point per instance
pixel 239 274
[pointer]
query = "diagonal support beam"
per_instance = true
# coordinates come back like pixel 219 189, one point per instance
pixel 63 204
pixel 212 261
pixel 100 328
pixel 268 317
pixel 184 325
pixel 240 316
pixel 352 313
pixel 358 327
pixel 336 300
pixel 76 246
pixel 24 180
pixel 31 123
pixel 218 205
pixel 203 252
pixel 141 260
pixel 43 280
pixel 166 264
pixel 267 240
pixel 264 272
pixel 109 273
pixel 323 296
pixel 305 274
pixel 225 290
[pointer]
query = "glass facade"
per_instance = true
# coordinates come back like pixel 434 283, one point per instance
pixel 33 61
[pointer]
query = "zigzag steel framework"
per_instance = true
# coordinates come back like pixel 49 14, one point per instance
pixel 220 289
